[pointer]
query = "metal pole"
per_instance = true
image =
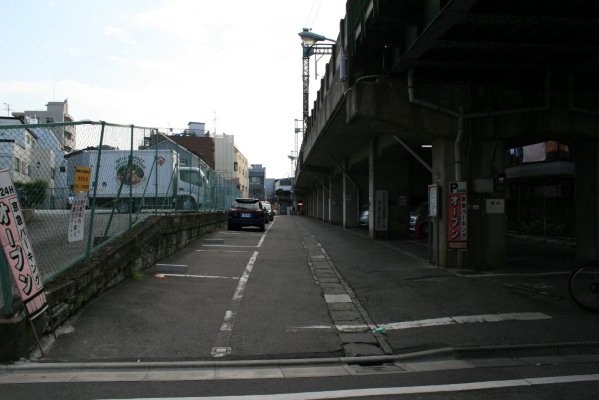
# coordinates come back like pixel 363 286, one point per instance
pixel 130 171
pixel 93 206
pixel 306 87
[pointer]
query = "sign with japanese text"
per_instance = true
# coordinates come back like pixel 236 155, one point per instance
pixel 433 203
pixel 76 218
pixel 381 210
pixel 18 251
pixel 82 179
pixel 457 216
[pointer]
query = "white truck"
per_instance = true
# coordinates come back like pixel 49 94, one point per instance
pixel 142 178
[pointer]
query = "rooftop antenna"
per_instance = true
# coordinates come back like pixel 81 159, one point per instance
pixel 7 109
pixel 214 120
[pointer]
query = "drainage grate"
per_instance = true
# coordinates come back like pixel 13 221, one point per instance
pixel 384 368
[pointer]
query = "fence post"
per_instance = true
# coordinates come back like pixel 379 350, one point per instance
pixel 131 183
pixel 93 206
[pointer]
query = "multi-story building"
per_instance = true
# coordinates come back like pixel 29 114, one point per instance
pixel 257 177
pixel 230 163
pixel 32 154
pixel 241 167
pixel 224 156
pixel 198 141
pixel 284 195
pixel 56 111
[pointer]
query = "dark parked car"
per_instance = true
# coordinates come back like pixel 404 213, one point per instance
pixel 269 210
pixel 364 217
pixel 70 200
pixel 419 220
pixel 247 212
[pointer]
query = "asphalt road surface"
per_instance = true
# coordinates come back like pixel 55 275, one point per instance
pixel 308 310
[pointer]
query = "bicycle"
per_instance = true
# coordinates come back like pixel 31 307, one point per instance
pixel 584 286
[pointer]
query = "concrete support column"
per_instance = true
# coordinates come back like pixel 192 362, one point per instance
pixel 319 202
pixel 337 199
pixel 586 154
pixel 443 173
pixel 344 184
pixel 315 203
pixel 372 153
pixel 487 218
pixel 325 203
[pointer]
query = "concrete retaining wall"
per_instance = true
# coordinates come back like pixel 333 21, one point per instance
pixel 148 242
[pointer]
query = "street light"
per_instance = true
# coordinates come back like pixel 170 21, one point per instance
pixel 310 47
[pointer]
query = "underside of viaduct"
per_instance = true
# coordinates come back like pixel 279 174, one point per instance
pixel 438 92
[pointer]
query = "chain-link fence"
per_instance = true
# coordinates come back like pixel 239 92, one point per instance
pixel 132 172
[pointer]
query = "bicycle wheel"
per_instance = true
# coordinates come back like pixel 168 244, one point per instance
pixel 584 286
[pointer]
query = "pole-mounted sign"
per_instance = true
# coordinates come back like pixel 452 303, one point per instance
pixel 18 251
pixel 457 216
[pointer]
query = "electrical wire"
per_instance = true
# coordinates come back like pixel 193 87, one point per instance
pixel 313 15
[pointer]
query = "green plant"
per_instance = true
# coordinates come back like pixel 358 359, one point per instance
pixel 33 193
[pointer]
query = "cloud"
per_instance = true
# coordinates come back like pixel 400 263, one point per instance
pixel 120 34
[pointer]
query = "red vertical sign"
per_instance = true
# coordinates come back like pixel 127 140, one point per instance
pixel 457 216
pixel 18 251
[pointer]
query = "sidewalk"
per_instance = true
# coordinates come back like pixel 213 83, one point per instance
pixel 423 307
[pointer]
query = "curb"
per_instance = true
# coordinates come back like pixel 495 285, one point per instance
pixel 447 353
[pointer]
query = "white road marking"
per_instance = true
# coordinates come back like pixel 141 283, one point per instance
pixel 219 352
pixel 226 251
pixel 262 240
pixel 171 265
pixel 337 298
pixel 516 274
pixel 402 390
pixel 228 245
pixel 223 338
pixel 202 276
pixel 466 319
pixel 463 319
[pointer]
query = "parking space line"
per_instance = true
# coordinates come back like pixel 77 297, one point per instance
pixel 228 245
pixel 223 338
pixel 202 276
pixel 226 251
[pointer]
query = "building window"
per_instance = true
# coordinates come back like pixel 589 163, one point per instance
pixel 17 164
pixel 235 166
pixel 49 120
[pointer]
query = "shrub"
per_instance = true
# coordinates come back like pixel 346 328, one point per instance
pixel 33 194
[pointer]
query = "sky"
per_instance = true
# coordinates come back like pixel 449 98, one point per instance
pixel 234 64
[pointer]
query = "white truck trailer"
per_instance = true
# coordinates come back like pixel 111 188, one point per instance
pixel 142 178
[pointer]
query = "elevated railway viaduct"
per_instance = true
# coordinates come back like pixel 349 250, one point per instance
pixel 419 95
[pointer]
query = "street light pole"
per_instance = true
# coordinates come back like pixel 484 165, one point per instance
pixel 306 84
pixel 310 47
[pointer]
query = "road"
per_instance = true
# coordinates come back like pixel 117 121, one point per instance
pixel 309 310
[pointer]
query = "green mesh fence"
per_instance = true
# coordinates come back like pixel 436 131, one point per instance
pixel 134 172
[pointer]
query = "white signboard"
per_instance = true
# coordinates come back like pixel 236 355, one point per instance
pixel 495 206
pixel 77 218
pixel 381 210
pixel 433 203
pixel 18 251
